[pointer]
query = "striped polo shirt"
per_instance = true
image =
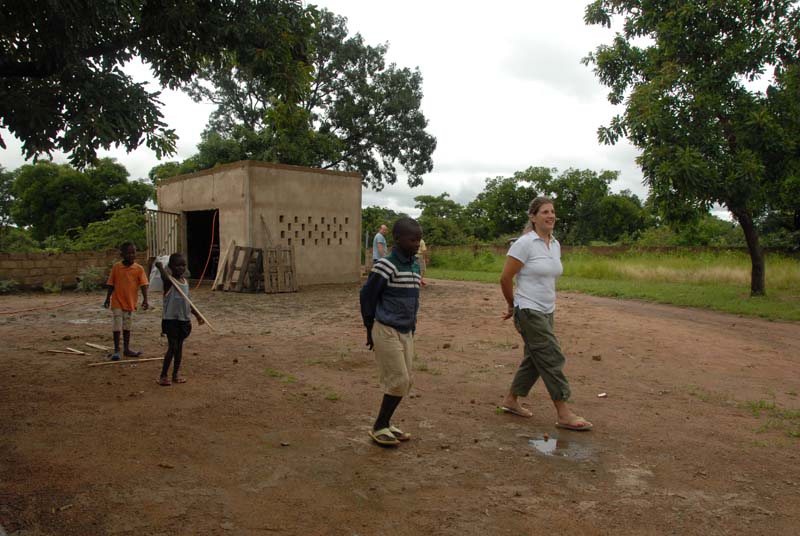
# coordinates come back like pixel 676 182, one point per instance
pixel 391 293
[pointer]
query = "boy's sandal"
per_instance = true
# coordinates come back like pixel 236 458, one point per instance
pixel 164 382
pixel 179 379
pixel 384 437
pixel 115 356
pixel 399 434
pixel 131 353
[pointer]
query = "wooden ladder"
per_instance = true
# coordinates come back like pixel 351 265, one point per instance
pixel 239 268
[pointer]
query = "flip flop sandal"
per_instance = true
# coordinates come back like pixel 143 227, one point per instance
pixel 115 356
pixel 133 354
pixel 163 382
pixel 399 434
pixel 384 437
pixel 585 427
pixel 515 411
pixel 179 380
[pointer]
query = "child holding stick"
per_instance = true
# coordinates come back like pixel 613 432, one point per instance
pixel 176 323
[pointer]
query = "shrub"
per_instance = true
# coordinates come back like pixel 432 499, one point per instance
pixel 90 279
pixel 53 287
pixel 7 286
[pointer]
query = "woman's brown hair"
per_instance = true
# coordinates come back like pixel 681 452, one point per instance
pixel 534 207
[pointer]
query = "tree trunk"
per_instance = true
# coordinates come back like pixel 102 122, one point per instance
pixel 757 272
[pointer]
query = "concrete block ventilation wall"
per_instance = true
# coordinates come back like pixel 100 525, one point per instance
pixel 316 230
pixel 35 270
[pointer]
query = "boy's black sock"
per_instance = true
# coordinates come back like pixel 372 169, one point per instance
pixel 389 404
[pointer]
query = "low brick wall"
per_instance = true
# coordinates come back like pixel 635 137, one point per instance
pixel 34 270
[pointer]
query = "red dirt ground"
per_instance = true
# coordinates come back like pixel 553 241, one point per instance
pixel 269 435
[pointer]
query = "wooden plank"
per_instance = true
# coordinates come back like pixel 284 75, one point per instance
pixel 121 361
pixel 234 260
pixel 243 267
pixel 256 272
pixel 294 287
pixel 74 351
pixel 281 276
pixel 222 266
pixel 193 306
pixel 64 352
pixel 98 346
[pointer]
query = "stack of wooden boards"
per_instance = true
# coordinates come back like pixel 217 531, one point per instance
pixel 249 269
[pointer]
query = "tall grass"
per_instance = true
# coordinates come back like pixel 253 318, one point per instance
pixel 708 279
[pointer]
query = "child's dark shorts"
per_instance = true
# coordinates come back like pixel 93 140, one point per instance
pixel 176 329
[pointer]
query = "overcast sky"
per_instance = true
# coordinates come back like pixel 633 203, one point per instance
pixel 504 90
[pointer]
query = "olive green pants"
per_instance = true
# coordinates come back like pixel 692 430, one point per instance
pixel 542 356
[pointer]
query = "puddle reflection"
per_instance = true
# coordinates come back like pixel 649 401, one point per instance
pixel 562 448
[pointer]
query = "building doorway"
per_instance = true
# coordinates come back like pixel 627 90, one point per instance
pixel 202 243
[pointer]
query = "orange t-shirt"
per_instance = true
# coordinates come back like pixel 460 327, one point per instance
pixel 126 281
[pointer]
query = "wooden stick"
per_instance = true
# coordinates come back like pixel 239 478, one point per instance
pixel 64 352
pixel 222 266
pixel 101 363
pixel 74 351
pixel 98 346
pixel 193 306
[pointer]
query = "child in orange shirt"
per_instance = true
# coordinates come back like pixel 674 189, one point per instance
pixel 124 282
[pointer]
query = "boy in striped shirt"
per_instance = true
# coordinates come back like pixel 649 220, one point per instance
pixel 389 304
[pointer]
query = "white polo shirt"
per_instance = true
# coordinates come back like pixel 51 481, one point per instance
pixel 541 266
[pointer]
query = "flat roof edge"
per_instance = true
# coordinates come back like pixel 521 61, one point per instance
pixel 257 164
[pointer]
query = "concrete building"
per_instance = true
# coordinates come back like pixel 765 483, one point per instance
pixel 315 211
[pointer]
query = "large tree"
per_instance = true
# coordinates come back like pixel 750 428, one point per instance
pixel 358 113
pixel 62 86
pixel 54 199
pixel 500 209
pixel 684 71
pixel 441 219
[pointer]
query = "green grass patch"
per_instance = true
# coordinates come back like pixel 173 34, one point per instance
pixel 709 279
pixel 278 375
pixel 772 416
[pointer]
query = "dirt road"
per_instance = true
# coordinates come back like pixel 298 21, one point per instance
pixel 269 434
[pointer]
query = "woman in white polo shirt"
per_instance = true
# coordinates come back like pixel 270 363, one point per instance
pixel 535 260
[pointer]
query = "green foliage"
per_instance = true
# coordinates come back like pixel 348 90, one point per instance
pixel 6 196
pixel 501 208
pixel 14 240
pixel 712 279
pixel 441 220
pixel 467 260
pixel 373 217
pixel 90 279
pixel 64 88
pixel 53 287
pixel 58 243
pixel 57 199
pixel 681 69
pixel 8 286
pixel 125 224
pixel 352 112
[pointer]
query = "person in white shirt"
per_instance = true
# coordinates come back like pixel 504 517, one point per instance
pixel 535 260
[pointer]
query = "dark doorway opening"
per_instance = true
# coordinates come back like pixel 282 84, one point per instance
pixel 202 239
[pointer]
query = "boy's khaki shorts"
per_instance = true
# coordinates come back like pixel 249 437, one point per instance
pixel 394 352
pixel 123 320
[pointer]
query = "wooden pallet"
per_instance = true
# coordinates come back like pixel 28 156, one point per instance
pixel 279 270
pixel 241 275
